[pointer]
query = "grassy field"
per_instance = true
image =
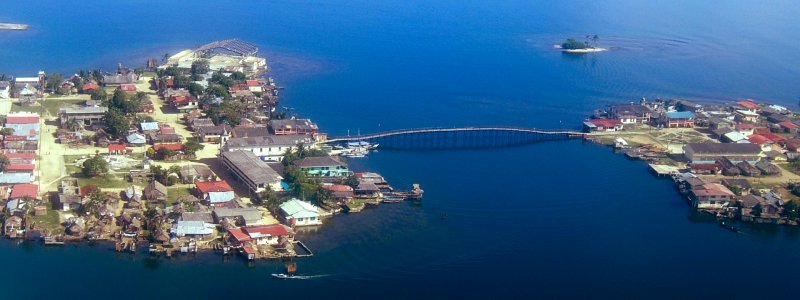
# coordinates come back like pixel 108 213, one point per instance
pixel 174 192
pixel 51 221
pixel 50 105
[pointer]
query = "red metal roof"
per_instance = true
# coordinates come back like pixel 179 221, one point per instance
pixel 251 82
pixel 20 155
pixel 605 122
pixel 173 147
pixel 20 167
pixel 167 130
pixel 788 125
pixel 774 137
pixel 749 104
pixel 89 86
pixel 213 186
pixel 713 166
pixel 273 230
pixel 15 138
pixel 24 189
pixel 741 126
pixel 238 234
pixel 761 130
pixel 127 87
pixel 22 120
pixel 116 147
pixel 758 139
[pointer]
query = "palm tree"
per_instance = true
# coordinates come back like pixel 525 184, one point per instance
pixel 74 125
pixel 595 38
pixel 166 57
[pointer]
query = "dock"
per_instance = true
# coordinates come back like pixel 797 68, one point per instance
pixel 664 170
pixel 13 26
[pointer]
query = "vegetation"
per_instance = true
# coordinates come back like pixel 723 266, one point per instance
pixel 573 44
pixel 3 162
pixel 94 166
pixel 192 146
pixel 227 112
pixel 167 177
pixel 117 123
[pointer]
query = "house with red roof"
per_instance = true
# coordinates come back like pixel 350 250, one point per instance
pixel 19 168
pixel 175 148
pixel 272 235
pixel 777 139
pixel 788 127
pixel 22 190
pixel 748 105
pixel 183 103
pixel 21 157
pixel 216 193
pixel 89 87
pixel 758 139
pixel 24 124
pixel 128 89
pixel 119 149
pixel 600 125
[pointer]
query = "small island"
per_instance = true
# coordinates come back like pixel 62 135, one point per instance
pixel 571 45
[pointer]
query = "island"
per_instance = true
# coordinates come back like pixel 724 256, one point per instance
pixel 13 26
pixel 572 45
pixel 185 153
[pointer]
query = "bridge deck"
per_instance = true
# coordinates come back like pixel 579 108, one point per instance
pixel 458 129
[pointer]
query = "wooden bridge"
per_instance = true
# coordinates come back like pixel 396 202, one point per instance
pixel 459 137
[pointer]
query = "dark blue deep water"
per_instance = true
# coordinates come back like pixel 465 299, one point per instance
pixel 550 220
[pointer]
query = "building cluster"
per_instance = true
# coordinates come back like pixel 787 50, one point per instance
pixel 744 139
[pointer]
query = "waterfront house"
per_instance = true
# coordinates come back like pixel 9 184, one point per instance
pixel 253 172
pixel 340 193
pixel 193 229
pixel 273 235
pixel 366 189
pixel 679 119
pixel 324 166
pixel 155 191
pixel 758 209
pixel 293 126
pixel 742 185
pixel 268 147
pixel 684 105
pixel 214 134
pixel 711 196
pixel 13 227
pixel 748 105
pixel 215 193
pixel 243 216
pixel 630 114
pixel 711 152
pixel 602 125
pixel 300 213
pixel 705 169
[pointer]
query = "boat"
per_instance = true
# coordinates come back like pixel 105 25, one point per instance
pixel 728 227
pixel 286 276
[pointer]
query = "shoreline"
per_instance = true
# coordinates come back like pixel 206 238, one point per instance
pixel 13 26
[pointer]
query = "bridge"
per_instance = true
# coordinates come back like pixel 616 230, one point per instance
pixel 459 137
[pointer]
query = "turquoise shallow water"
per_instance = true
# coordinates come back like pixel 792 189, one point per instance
pixel 549 220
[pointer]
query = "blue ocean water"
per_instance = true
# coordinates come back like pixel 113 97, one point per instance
pixel 550 220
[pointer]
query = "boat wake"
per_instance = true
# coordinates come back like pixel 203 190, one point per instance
pixel 302 277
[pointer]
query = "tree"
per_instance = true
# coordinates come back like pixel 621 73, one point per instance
pixel 595 38
pixel 3 162
pixel 757 210
pixel 181 81
pixel 94 166
pixel 118 125
pixel 351 181
pixel 166 57
pixel 195 89
pixel 269 199
pixel 192 146
pixel 572 44
pixel 199 67
pixel 7 131
pixel 790 209
pixel 74 125
pixel 53 81
pixel 99 94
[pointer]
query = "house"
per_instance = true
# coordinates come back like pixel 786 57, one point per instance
pixel 193 229
pixel 778 118
pixel 148 127
pixel 366 189
pixel 85 115
pixel 20 168
pixel 746 129
pixel 293 126
pixel 245 216
pixel 214 134
pixel 705 169
pixel 719 123
pixel 136 139
pixel 24 124
pixel 748 105
pixel 249 131
pixel 24 190
pixel 253 172
pixel 300 213
pixel 192 173
pixel 155 191
pixel 735 137
pixel 118 149
pixel 13 227
pixel 748 169
pixel 788 127
pixel 711 152
pixel 15 178
pixel 759 210
pixel 602 125
pixel 746 116
pixel 119 79
pixel 768 169
pixel 630 114
pixel 728 167
pixel 5 90
pixel 684 105
pixel 679 119
pixel 89 87
pixel 128 89
pixel 67 202
pixel 215 193
pixel 160 138
pixel 323 166
pixel 183 103
pixel 133 193
pixel 273 235
pixel 742 185
pixel 268 147
pixel 197 123
pixel 203 216
pixel 711 196
pixel 340 193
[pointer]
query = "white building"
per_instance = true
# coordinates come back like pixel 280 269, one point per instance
pixel 300 213
pixel 270 147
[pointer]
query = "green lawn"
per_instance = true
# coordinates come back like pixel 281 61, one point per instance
pixel 50 221
pixel 109 181
pixel 50 105
pixel 174 192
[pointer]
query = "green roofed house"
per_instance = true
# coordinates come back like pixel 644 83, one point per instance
pixel 325 166
pixel 300 213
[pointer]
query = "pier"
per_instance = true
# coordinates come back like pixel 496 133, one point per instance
pixel 13 26
pixel 459 137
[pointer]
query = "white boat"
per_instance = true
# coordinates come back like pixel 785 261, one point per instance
pixel 285 276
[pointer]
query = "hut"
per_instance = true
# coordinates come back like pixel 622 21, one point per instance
pixel 748 169
pixel 768 169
